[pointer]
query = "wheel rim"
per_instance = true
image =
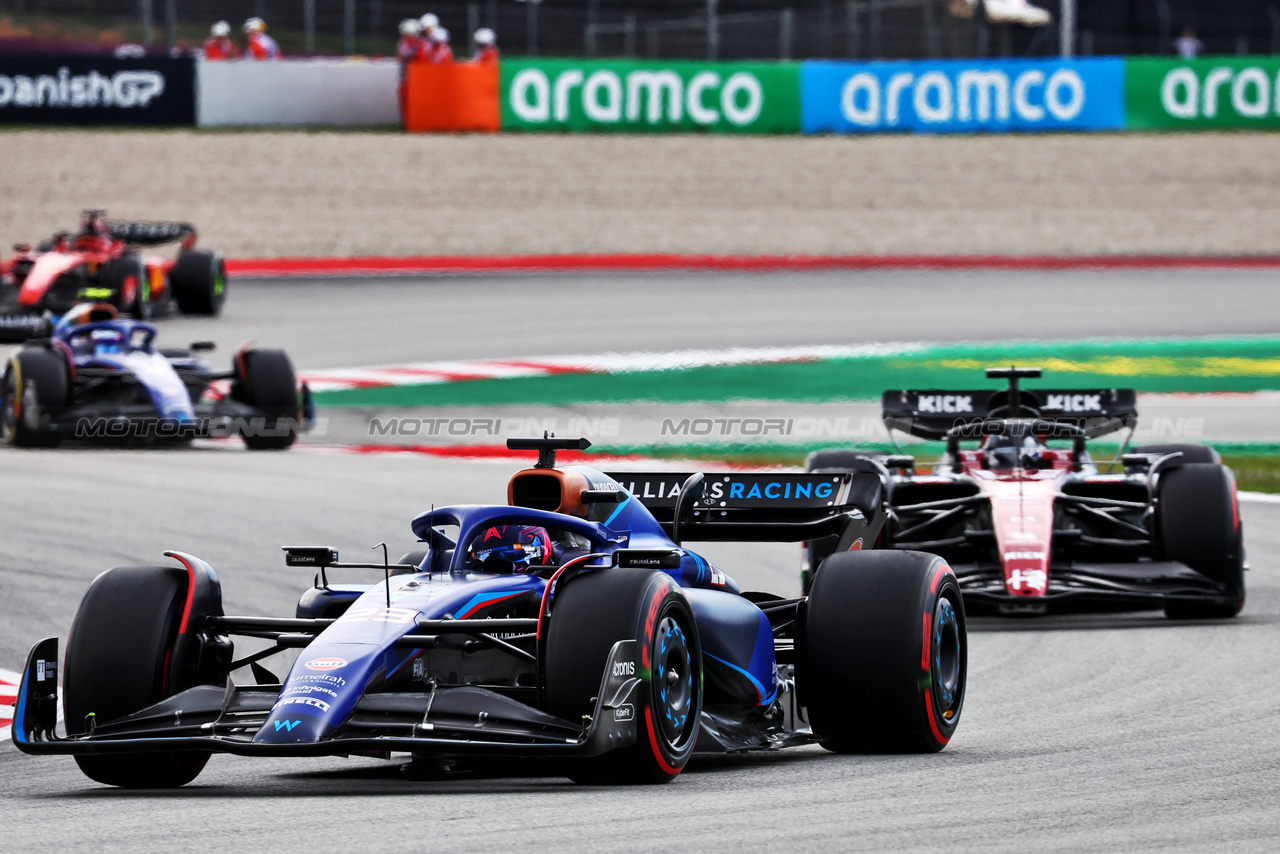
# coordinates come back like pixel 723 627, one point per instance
pixel 673 675
pixel 144 294
pixel 219 283
pixel 8 417
pixel 947 667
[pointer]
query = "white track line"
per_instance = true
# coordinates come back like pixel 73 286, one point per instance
pixel 1259 497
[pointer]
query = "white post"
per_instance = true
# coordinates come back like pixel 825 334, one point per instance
pixel 1067 29
pixel 309 25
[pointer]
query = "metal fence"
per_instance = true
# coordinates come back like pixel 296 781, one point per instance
pixel 698 29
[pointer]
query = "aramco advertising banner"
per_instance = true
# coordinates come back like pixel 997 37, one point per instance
pixel 1200 94
pixel 655 96
pixel 955 96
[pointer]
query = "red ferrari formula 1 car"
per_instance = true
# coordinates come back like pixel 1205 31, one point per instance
pixel 102 262
pixel 1031 525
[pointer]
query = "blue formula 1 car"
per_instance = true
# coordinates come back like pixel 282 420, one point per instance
pixel 570 624
pixel 98 377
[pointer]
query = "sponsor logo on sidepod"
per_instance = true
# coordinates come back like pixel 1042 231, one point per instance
pixel 326 664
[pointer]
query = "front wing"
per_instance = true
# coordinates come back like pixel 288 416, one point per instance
pixel 1094 587
pixel 462 720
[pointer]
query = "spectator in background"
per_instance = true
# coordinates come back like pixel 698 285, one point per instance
pixel 486 47
pixel 410 45
pixel 260 45
pixel 440 50
pixel 219 44
pixel 1187 45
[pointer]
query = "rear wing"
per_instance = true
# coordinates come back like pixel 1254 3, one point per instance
pixel 931 413
pixel 760 507
pixel 151 233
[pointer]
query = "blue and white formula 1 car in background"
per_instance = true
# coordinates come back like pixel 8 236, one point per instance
pixel 100 377
pixel 570 624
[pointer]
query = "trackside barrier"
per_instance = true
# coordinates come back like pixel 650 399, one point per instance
pixel 298 92
pixel 1203 94
pixel 634 96
pixel 650 97
pixel 460 96
pixel 962 95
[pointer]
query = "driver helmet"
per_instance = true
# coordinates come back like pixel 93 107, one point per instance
pixel 255 25
pixel 511 548
pixel 221 30
pixel 89 312
pixel 1007 452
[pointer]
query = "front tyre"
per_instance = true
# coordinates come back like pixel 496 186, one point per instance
pixel 883 653
pixel 264 380
pixel 35 385
pixel 1198 524
pixel 117 661
pixel 590 615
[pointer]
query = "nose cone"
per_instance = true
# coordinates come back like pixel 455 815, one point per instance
pixel 289 724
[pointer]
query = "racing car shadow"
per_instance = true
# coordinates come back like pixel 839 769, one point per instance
pixel 1097 622
pixel 409 777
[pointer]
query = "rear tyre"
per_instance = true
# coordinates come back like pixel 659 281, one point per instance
pixel 35 384
pixel 117 656
pixel 264 379
pixel 1190 453
pixel 127 277
pixel 1198 523
pixel 590 615
pixel 883 653
pixel 198 282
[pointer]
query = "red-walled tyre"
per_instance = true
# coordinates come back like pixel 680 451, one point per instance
pixel 590 615
pixel 883 653
pixel 116 664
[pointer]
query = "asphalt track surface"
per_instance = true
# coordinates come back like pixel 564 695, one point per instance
pixel 1083 733
pixel 330 323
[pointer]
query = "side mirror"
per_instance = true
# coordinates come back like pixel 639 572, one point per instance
pixel 319 557
pixel 203 346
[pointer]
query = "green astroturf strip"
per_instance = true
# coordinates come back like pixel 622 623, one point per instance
pixel 1241 364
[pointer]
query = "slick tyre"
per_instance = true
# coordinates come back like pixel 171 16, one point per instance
pixel 198 282
pixel 831 460
pixel 1198 523
pixel 127 277
pixel 117 655
pixel 592 613
pixel 264 379
pixel 1190 453
pixel 883 653
pixel 35 385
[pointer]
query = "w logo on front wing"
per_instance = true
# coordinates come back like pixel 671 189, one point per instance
pixel 287 726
